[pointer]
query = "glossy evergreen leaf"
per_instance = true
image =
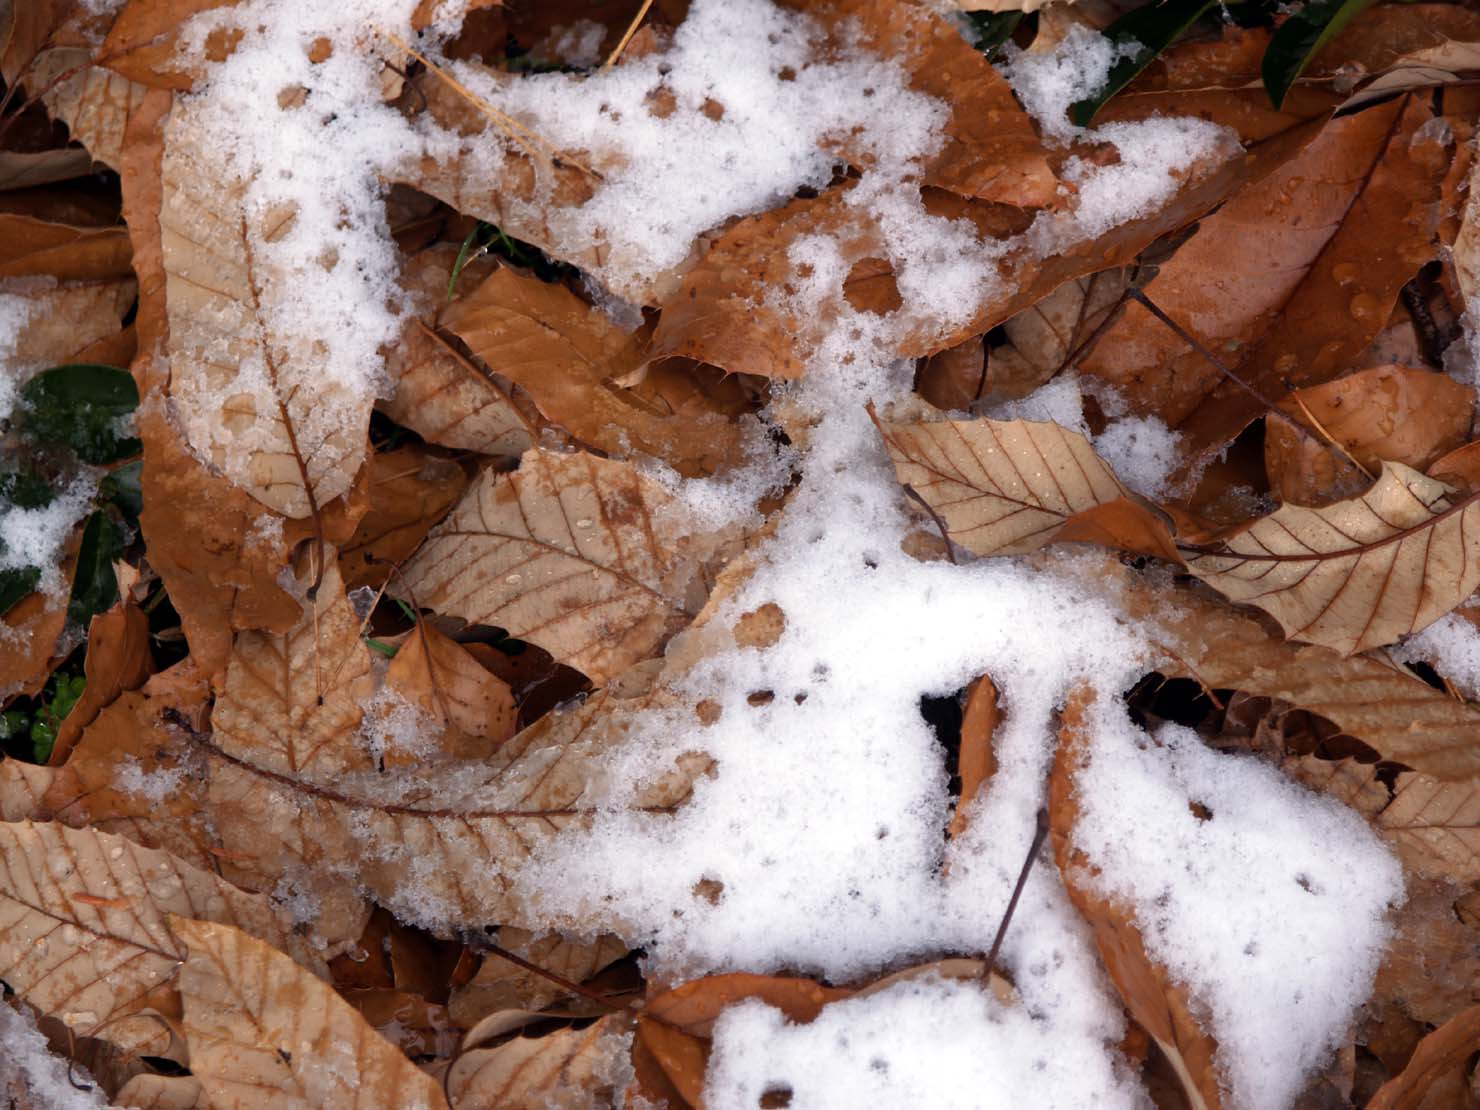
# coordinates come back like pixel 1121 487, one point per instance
pixel 94 587
pixel 1300 38
pixel 124 488
pixel 16 583
pixel 1141 34
pixel 79 406
pixel 992 30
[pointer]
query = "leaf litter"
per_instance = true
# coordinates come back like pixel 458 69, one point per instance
pixel 401 508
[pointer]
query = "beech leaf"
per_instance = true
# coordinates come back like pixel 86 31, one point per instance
pixel 569 1067
pixel 569 551
pixel 1445 1048
pixel 83 932
pixel 260 1026
pixel 1003 487
pixel 1357 574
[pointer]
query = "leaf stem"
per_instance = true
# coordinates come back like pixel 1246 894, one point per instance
pixel 1039 835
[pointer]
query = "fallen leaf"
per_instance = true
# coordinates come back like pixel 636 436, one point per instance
pixel 566 353
pixel 259 1026
pixel 22 787
pixel 1434 825
pixel 1387 413
pixel 452 693
pixel 569 551
pixel 1003 487
pixel 32 247
pixel 978 760
pixel 569 1067
pixel 94 103
pixel 415 1026
pixel 1159 1006
pixel 292 703
pixel 1445 1048
pixel 163 1092
pixel 440 846
pixel 1282 290
pixel 143 43
pixel 85 935
pixel 694 1006
pixel 251 394
pixel 409 489
pixel 1357 574
pixel 118 659
pixel 1042 336
pixel 501 985
pixel 441 394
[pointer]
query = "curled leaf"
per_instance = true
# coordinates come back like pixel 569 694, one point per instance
pixel 1357 574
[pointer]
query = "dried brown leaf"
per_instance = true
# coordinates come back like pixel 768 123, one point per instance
pixel 1160 1006
pixel 291 703
pixel 1290 280
pixel 567 353
pixel 572 552
pixel 410 489
pixel 94 103
pixel 1042 336
pixel 118 659
pixel 66 319
pixel 33 247
pixel 978 759
pixel 439 846
pixel 143 43
pixel 453 693
pixel 441 394
pixel 163 1092
pixel 1357 574
pixel 1003 487
pixel 84 914
pixel 569 1067
pixel 1442 1050
pixel 501 985
pixel 261 1026
pixel 22 787
pixel 1387 413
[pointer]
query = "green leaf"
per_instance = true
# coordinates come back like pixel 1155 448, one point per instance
pixel 16 584
pixel 79 407
pixel 992 30
pixel 1300 38
pixel 25 489
pixel 388 650
pixel 95 587
pixel 124 488
pixel 1152 29
pixel 66 692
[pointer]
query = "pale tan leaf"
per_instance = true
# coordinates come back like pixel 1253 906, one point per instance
pixel 440 394
pixel 291 703
pixel 471 709
pixel 1042 336
pixel 501 985
pixel 569 1067
pixel 1001 487
pixel 252 395
pixel 22 787
pixel 1351 782
pixel 440 846
pixel 567 353
pixel 83 932
pixel 95 104
pixel 1357 574
pixel 261 1028
pixel 1397 714
pixel 163 1092
pixel 571 552
pixel 1436 826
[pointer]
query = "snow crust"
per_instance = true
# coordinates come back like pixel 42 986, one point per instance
pixel 1452 646
pixel 16 310
pixel 35 537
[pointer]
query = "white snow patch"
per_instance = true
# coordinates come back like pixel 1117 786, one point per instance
pixel 1269 901
pixel 35 537
pixel 27 1062
pixel 926 1042
pixel 1451 645
pixel 132 777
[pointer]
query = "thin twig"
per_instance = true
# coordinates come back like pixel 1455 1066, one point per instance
pixel 1222 368
pixel 1039 835
pixel 913 495
pixel 1318 426
pixel 611 59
